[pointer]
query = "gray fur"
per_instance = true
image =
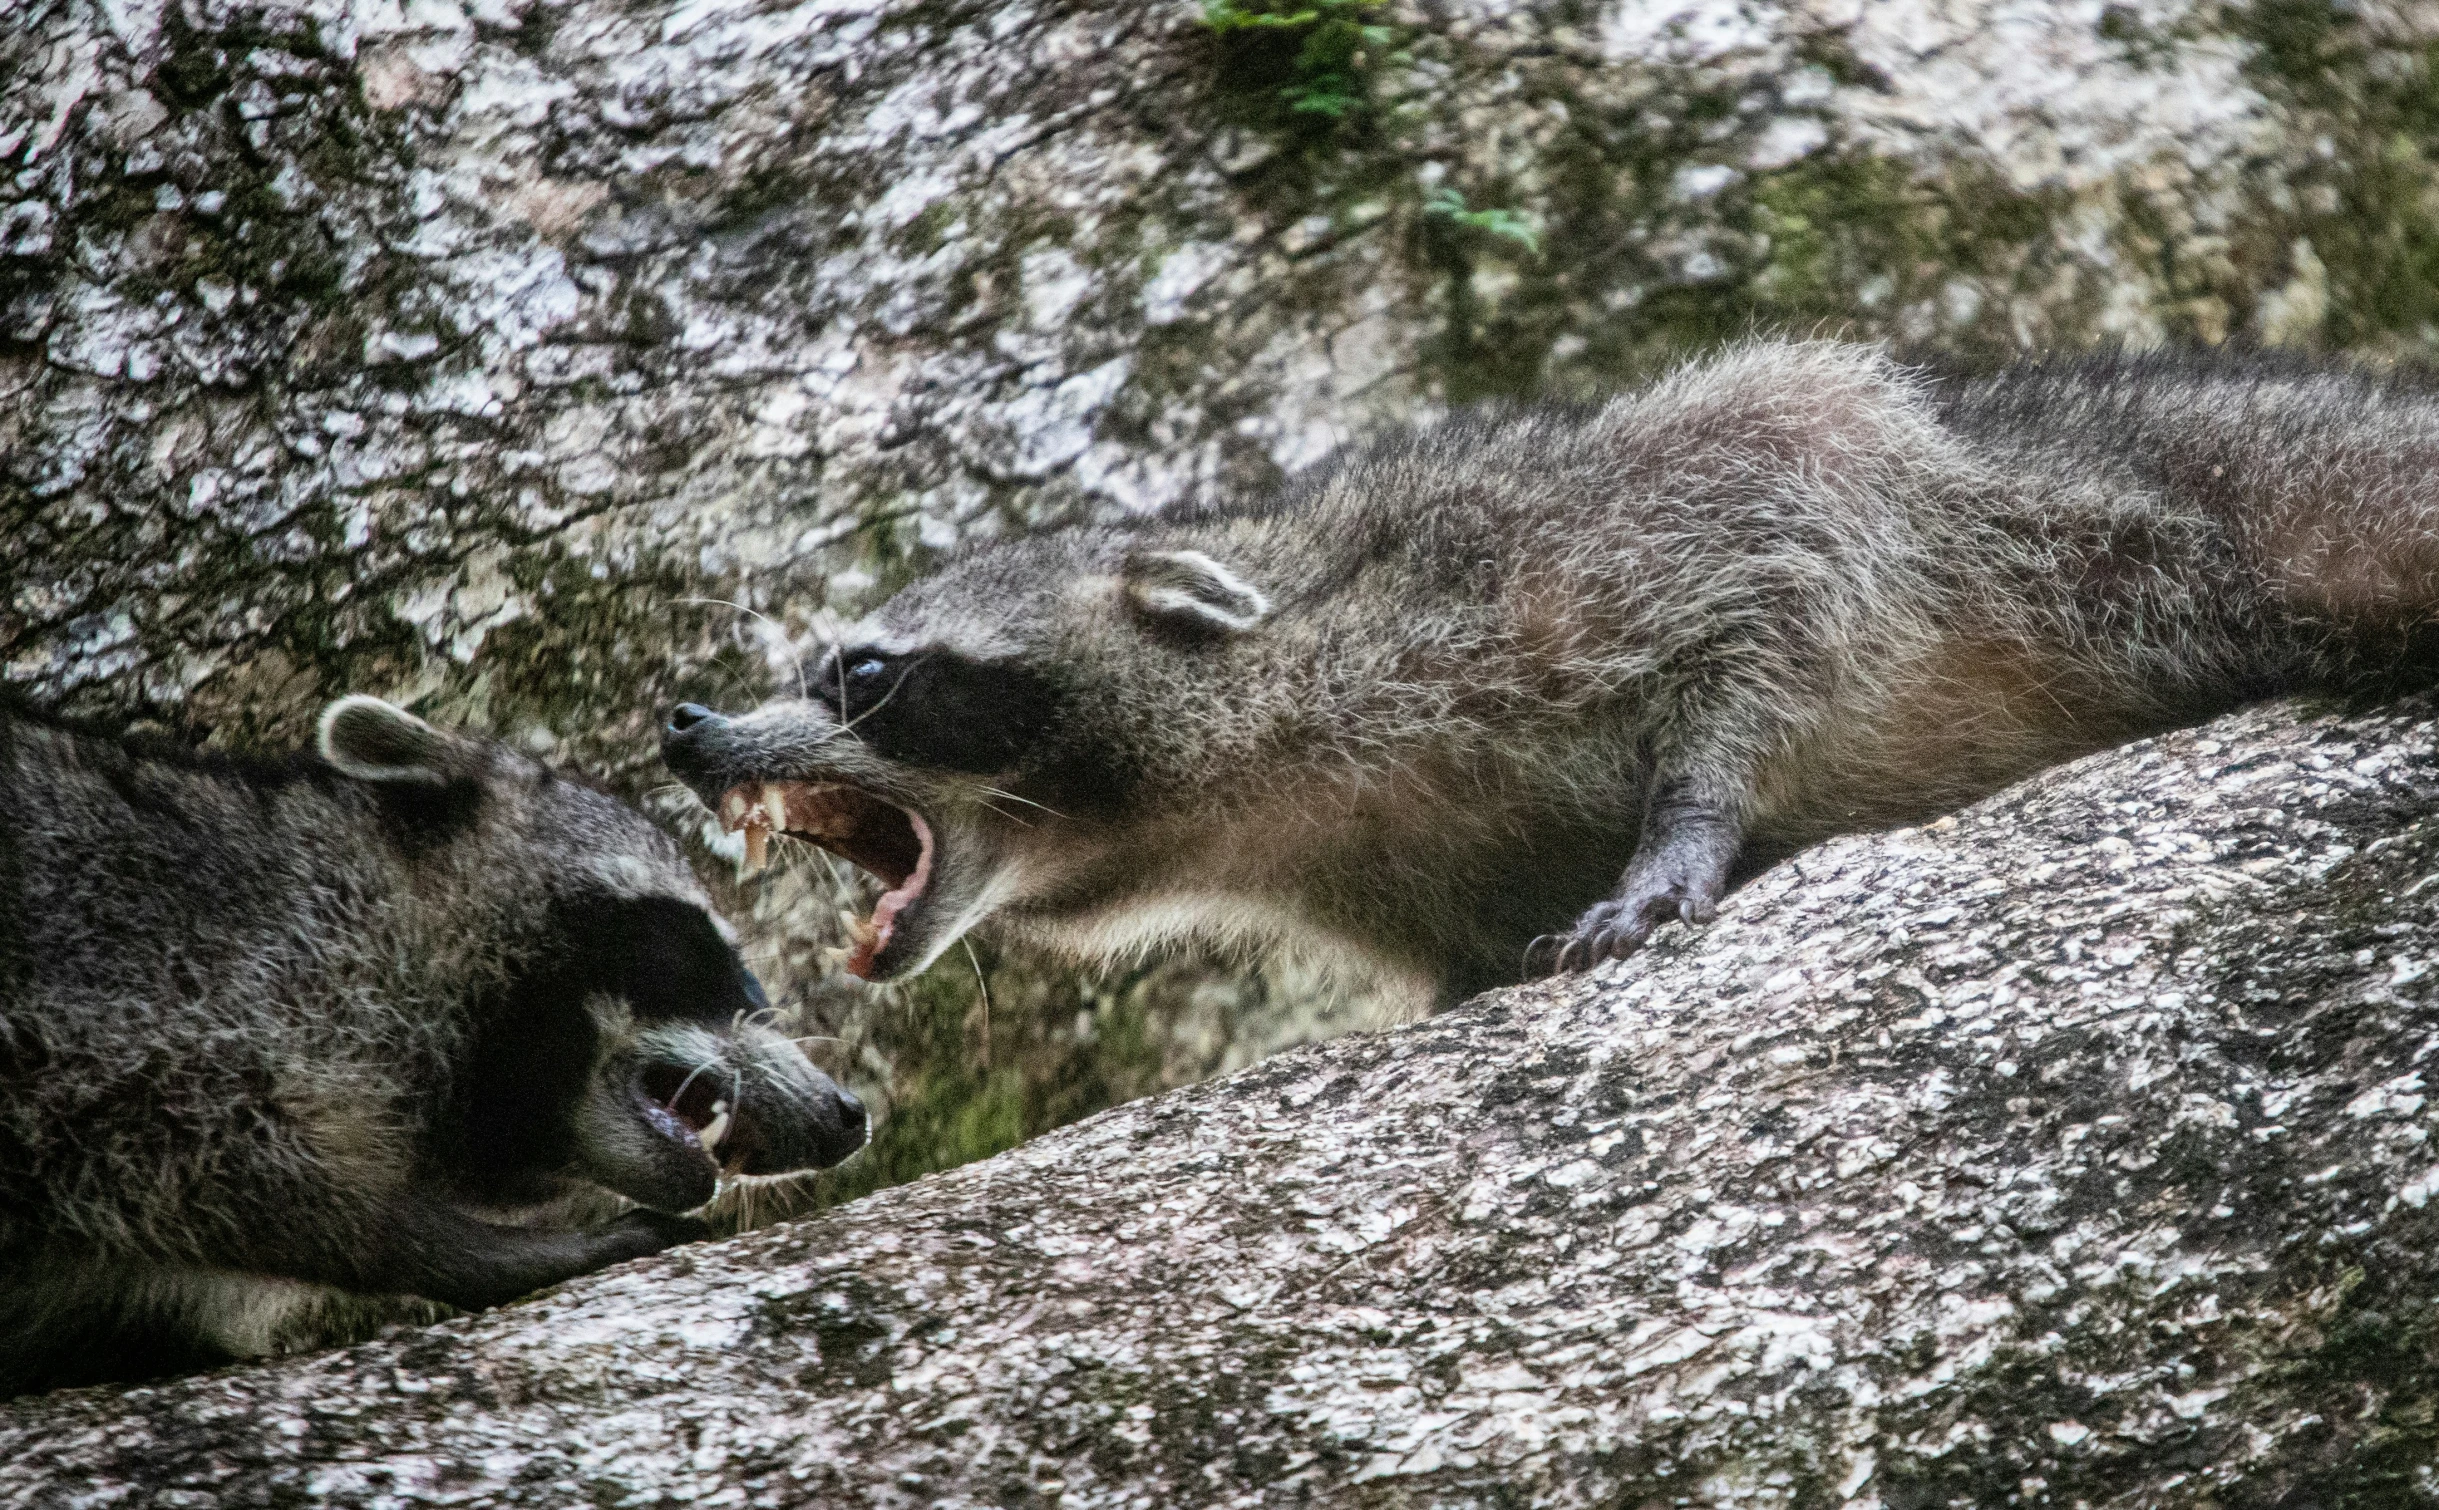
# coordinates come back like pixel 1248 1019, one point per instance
pixel 1592 664
pixel 251 1016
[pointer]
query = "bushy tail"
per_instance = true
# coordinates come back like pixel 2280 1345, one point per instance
pixel 2322 482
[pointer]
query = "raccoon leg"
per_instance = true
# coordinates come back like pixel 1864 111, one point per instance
pixel 219 1314
pixel 74 1315
pixel 1679 872
pixel 430 1248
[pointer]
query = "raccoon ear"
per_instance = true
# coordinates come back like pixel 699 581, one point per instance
pixel 373 741
pixel 1188 587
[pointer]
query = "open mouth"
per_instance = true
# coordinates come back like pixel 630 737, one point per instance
pixel 891 842
pixel 693 1108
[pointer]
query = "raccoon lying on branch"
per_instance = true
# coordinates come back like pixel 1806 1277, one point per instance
pixel 1599 664
pixel 289 1050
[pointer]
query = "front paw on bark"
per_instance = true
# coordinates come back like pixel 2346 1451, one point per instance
pixel 1618 927
pixel 639 1234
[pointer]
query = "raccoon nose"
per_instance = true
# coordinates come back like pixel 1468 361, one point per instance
pixel 854 1128
pixel 688 742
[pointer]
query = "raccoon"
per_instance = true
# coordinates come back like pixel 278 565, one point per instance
pixel 1505 694
pixel 291 1049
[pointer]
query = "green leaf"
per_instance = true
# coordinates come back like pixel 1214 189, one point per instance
pixel 1507 225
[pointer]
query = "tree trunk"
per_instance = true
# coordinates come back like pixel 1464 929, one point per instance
pixel 543 361
pixel 2075 1150
pixel 483 353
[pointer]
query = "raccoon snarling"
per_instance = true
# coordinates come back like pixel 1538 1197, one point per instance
pixel 1510 692
pixel 291 1049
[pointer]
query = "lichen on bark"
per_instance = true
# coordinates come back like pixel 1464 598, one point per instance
pixel 541 362
pixel 2073 1150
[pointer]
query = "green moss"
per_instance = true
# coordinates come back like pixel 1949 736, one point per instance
pixel 974 1075
pixel 194 70
pixel 1503 225
pixel 1828 227
pixel 1831 52
pixel 1589 267
pixel 1304 67
pixel 2370 210
pixel 535 29
pixel 2138 41
pixel 197 64
pixel 928 231
pixel 119 205
pixel 886 545
pixel 948 1104
pixel 2377 1362
pixel 1841 240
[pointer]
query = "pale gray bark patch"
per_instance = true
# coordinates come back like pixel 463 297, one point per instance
pixel 2072 1150
pixel 463 351
pixel 453 350
pixel 356 346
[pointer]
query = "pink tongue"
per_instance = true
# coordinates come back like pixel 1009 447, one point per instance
pixel 885 915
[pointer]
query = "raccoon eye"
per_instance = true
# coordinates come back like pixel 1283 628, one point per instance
pixel 938 709
pixel 867 682
pixel 852 680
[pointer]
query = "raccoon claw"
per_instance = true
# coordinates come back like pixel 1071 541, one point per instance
pixel 1541 955
pixel 1618 927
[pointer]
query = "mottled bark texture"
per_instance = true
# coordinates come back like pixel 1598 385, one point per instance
pixel 447 346
pixel 2075 1150
pixel 457 349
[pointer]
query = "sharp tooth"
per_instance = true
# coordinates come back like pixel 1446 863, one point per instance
pixel 732 809
pixel 714 1130
pixel 757 849
pixel 775 806
pixel 836 956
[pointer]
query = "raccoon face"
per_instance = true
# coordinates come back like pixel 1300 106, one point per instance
pixel 688 1084
pixel 628 1044
pixel 980 742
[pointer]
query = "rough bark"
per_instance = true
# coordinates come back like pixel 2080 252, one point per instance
pixel 456 349
pixel 2075 1150
pixel 451 350
pixel 371 340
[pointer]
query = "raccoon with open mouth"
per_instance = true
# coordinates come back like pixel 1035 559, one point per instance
pixel 289 1049
pixel 1506 694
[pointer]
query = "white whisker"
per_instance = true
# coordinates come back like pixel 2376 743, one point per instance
pixel 992 791
pixel 984 986
pixel 676 1095
pixel 796 662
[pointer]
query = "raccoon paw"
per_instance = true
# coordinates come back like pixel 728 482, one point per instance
pixel 1616 928
pixel 642 1233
